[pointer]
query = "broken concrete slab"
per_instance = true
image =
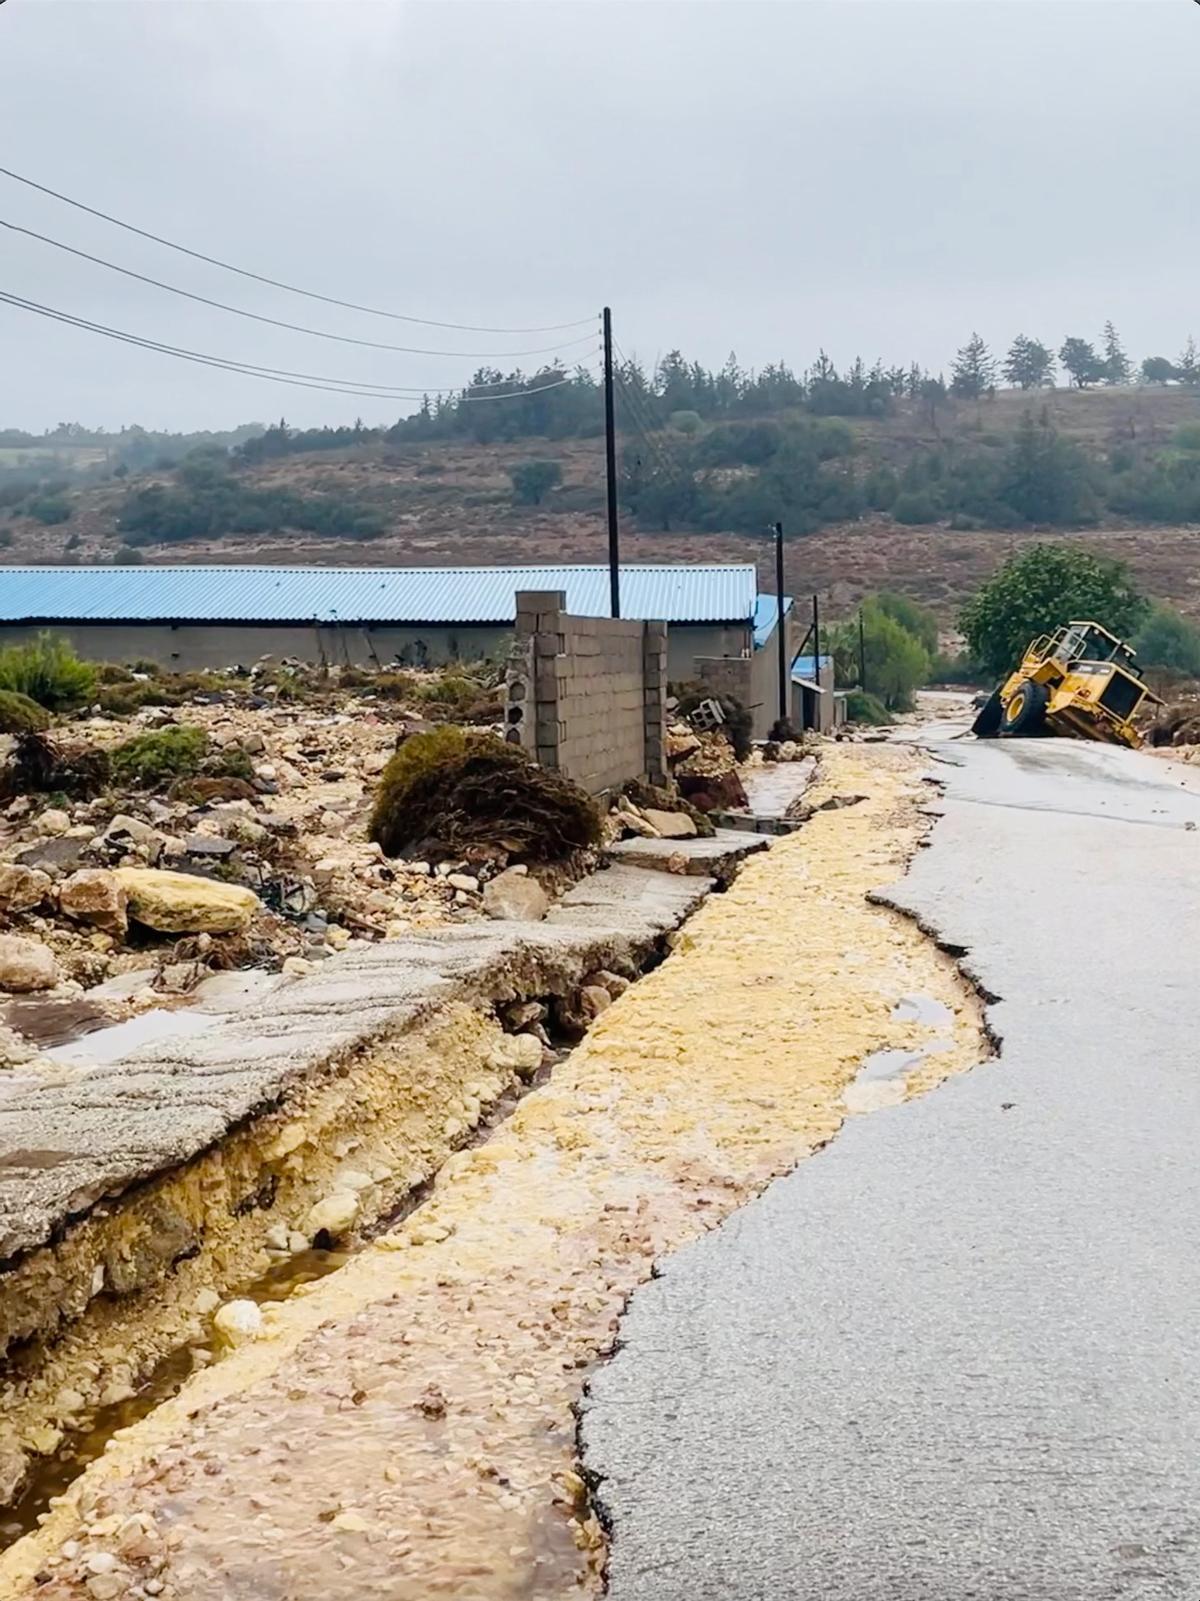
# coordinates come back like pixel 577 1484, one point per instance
pixel 716 857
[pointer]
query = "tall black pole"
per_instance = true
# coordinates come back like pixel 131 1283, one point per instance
pixel 862 653
pixel 817 640
pixel 610 463
pixel 781 625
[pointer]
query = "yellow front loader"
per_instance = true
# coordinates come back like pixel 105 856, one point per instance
pixel 1079 682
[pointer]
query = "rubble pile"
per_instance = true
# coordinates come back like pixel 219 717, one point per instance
pixel 124 884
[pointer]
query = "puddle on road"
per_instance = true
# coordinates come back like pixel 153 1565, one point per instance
pixel 883 1078
pixel 923 1009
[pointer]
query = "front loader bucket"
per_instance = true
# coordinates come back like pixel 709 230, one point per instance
pixel 987 722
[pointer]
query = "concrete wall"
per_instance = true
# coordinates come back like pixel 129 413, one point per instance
pixel 198 646
pixel 587 695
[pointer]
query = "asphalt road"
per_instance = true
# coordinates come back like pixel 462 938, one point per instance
pixel 956 1356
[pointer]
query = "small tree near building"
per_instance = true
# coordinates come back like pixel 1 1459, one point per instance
pixel 974 371
pixel 532 481
pixel 1079 357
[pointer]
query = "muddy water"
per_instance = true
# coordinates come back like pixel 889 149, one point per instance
pixel 52 1475
pixel 404 1430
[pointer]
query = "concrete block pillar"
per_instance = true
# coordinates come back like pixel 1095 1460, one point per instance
pixel 654 697
pixel 540 630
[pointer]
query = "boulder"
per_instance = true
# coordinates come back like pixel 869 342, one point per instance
pixel 54 856
pixel 513 896
pixel 26 964
pixel 22 887
pixel 669 825
pixel 96 896
pixel 180 903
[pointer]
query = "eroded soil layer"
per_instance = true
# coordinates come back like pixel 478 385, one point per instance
pixel 405 1428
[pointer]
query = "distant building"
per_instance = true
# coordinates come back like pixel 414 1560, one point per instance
pixel 815 703
pixel 215 617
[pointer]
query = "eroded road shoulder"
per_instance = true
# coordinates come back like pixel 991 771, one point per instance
pixel 406 1427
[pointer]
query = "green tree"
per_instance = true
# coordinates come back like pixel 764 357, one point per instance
pixel 1081 361
pixel 1158 370
pixel 1040 590
pixel 897 663
pixel 919 622
pixel 1187 368
pixel 1045 477
pixel 532 481
pixel 1116 362
pixel 974 371
pixel 1168 640
pixel 1029 364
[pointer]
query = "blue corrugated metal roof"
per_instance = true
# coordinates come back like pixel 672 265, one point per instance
pixel 766 613
pixel 680 594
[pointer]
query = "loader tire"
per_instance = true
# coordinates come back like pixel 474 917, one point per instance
pixel 1025 712
pixel 987 719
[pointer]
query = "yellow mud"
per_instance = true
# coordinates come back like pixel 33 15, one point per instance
pixel 405 1429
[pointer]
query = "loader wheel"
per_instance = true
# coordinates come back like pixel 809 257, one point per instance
pixel 987 719
pixel 1025 712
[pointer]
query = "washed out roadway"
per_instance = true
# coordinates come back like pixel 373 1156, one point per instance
pixel 955 1356
pixel 406 1428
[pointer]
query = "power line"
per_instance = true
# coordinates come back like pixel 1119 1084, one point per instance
pixel 276 322
pixel 283 375
pixel 664 454
pixel 276 283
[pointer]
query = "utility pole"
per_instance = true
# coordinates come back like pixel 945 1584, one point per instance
pixel 610 463
pixel 781 625
pixel 862 653
pixel 816 632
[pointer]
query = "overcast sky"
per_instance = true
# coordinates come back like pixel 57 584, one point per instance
pixel 879 176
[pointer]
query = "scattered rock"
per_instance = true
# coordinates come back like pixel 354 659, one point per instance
pixel 238 1322
pixel 297 967
pixel 513 895
pixel 129 836
pixel 96 896
pixel 54 856
pixel 212 846
pixel 26 964
pixel 594 999
pixel 334 1215
pixel 53 821
pixel 463 881
pixel 180 903
pixel 670 825
pixel 22 887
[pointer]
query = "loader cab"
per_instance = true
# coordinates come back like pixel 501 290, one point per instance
pixel 1088 642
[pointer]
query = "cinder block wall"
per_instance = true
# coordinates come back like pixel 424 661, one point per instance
pixel 587 695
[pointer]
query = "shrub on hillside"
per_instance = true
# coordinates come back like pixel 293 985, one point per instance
pixel 1168 640
pixel 19 714
pixel 449 789
pixel 48 671
pixel 151 760
pixel 913 506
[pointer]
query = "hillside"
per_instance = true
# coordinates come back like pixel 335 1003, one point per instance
pixel 451 503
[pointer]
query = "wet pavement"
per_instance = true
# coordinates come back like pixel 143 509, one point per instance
pixel 954 1356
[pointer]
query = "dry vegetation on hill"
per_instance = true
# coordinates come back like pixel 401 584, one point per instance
pixel 442 503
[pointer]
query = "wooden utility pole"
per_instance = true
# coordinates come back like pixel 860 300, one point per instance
pixel 610 463
pixel 816 631
pixel 781 626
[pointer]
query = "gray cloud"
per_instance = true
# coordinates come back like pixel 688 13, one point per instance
pixel 872 175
